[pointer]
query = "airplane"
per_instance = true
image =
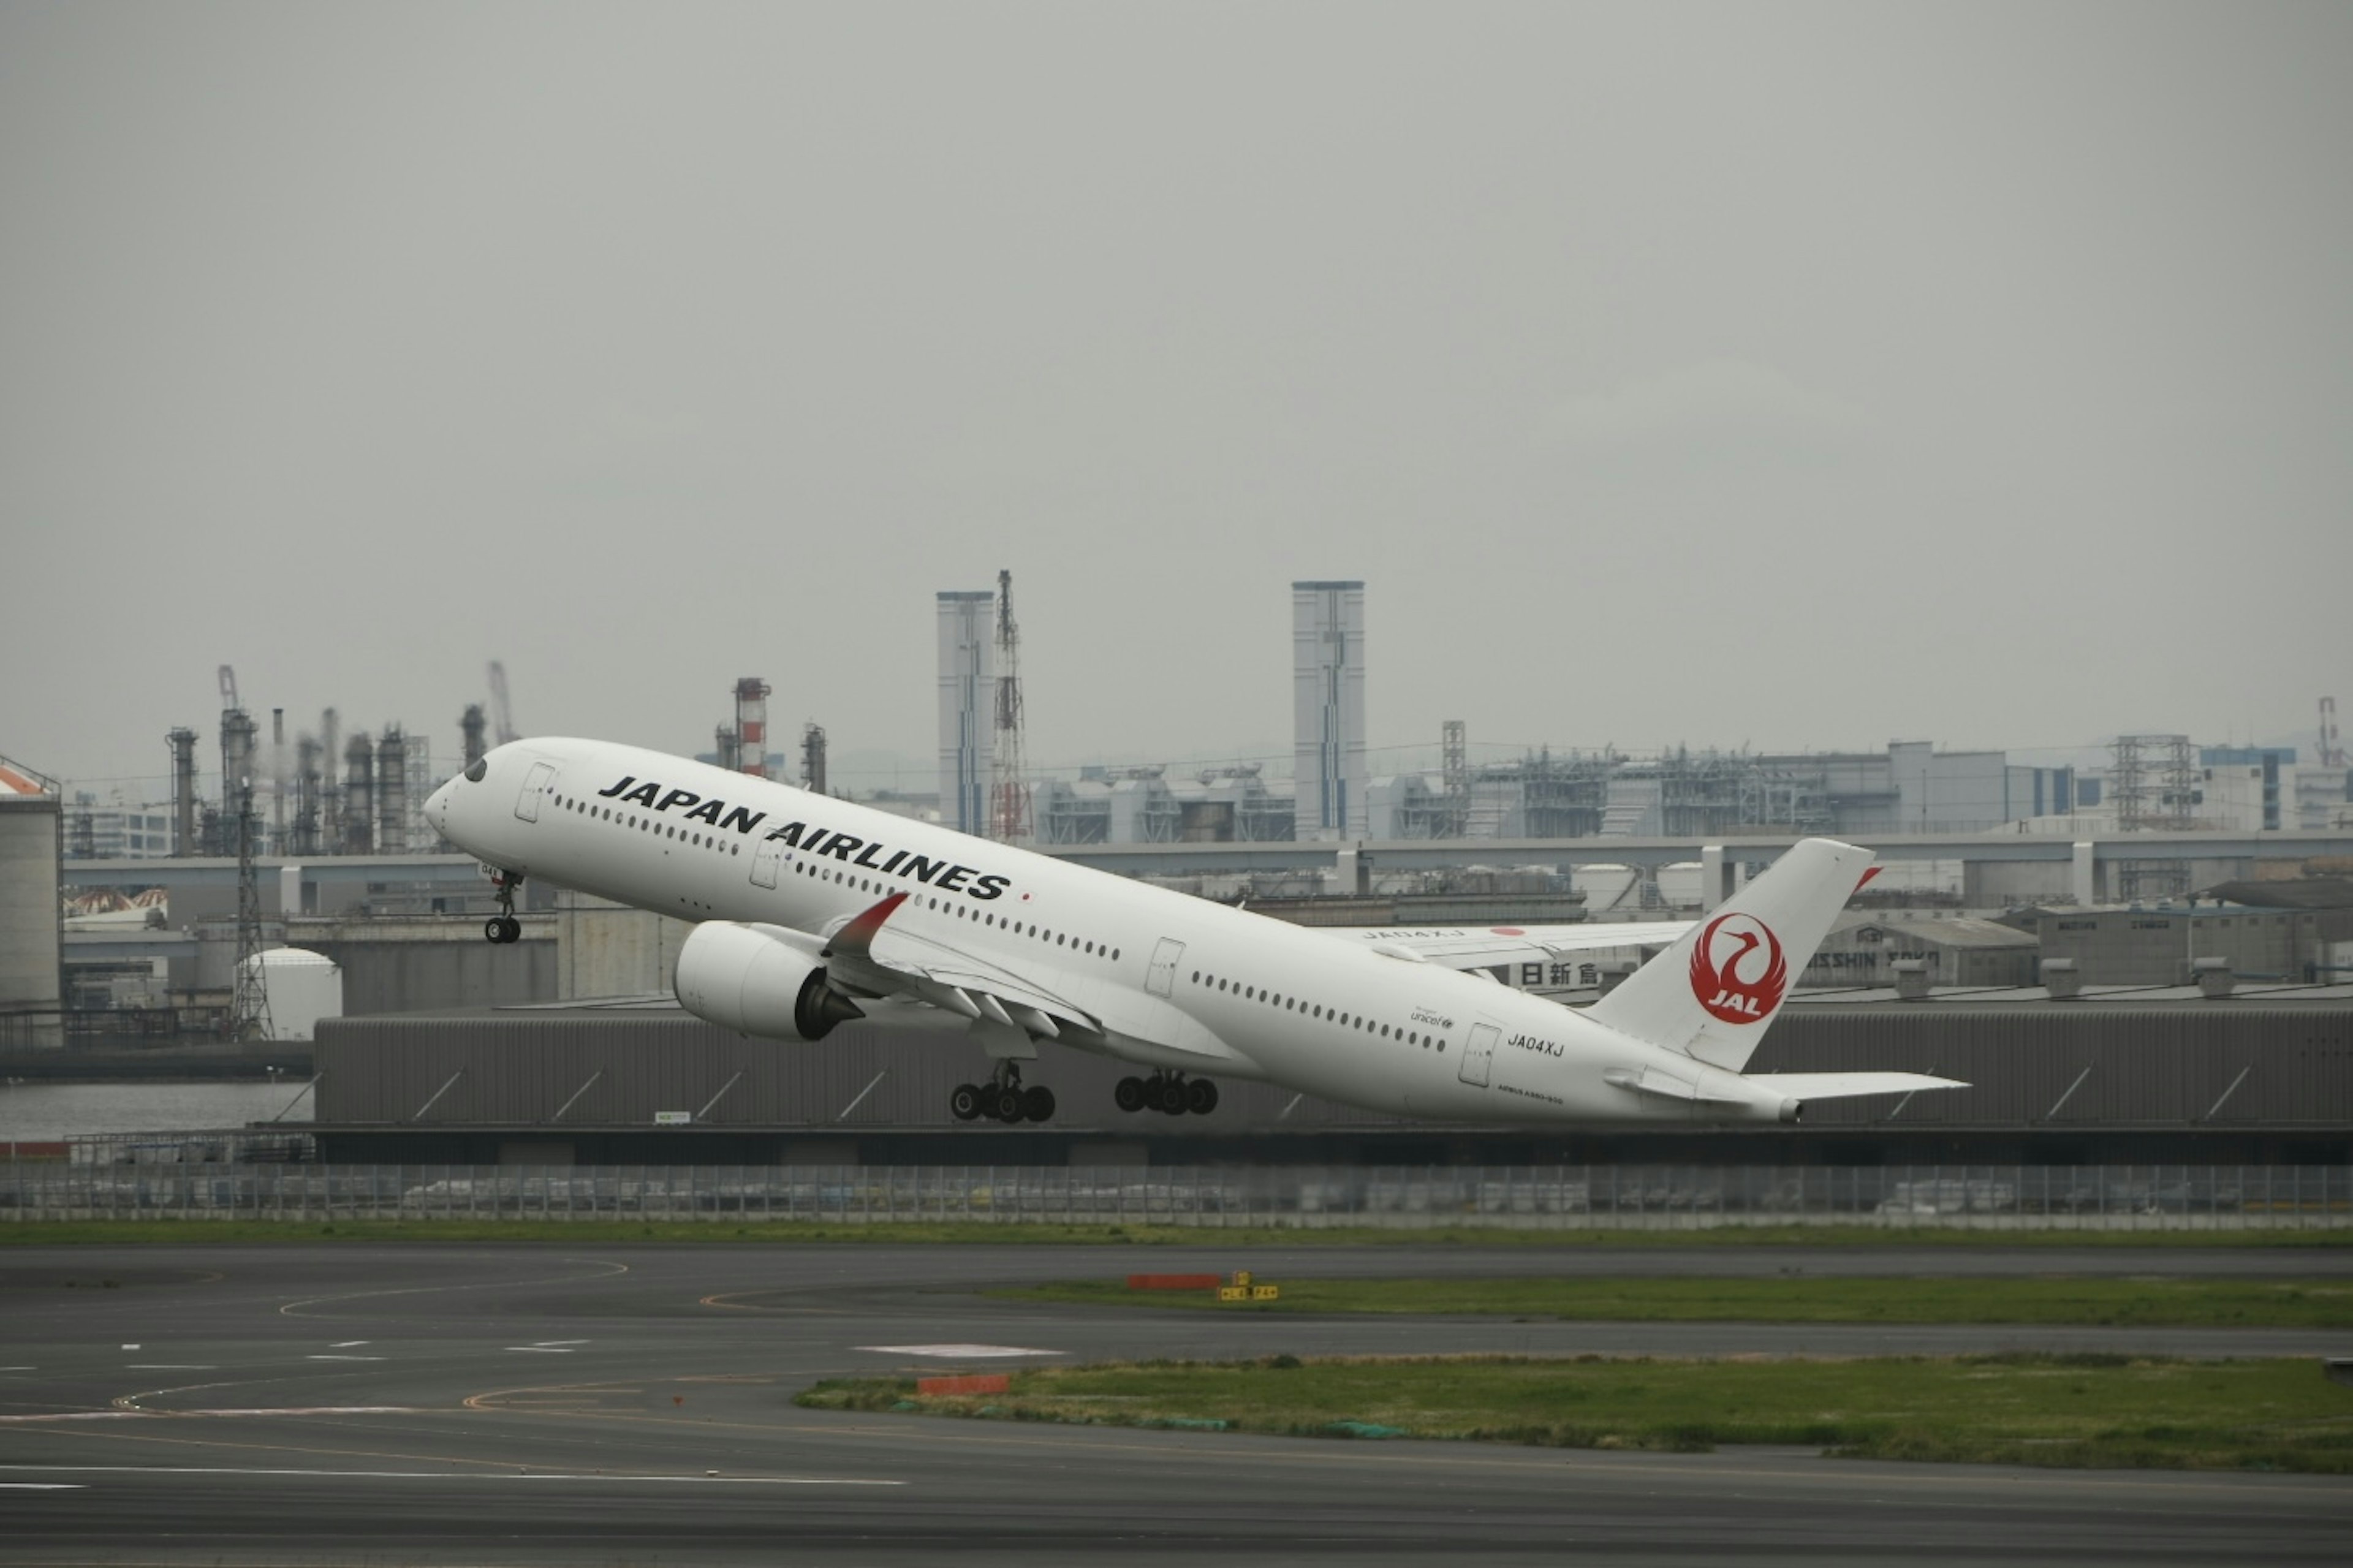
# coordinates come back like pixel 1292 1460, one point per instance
pixel 809 909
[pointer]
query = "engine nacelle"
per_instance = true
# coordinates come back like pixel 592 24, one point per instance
pixel 740 978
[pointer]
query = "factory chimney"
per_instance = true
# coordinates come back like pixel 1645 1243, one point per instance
pixel 237 760
pixel 306 796
pixel 752 726
pixel 359 795
pixel 183 742
pixel 392 793
pixel 330 797
pixel 278 779
pixel 813 758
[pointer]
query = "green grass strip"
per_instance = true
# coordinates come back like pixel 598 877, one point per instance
pixel 2049 1410
pixel 561 1231
pixel 1811 1299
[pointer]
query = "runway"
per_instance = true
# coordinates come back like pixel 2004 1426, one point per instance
pixel 585 1405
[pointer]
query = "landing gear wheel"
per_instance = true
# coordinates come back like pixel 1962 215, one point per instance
pixel 503 928
pixel 964 1103
pixel 1007 1107
pixel 1129 1094
pixel 1172 1097
pixel 1038 1103
pixel 1200 1097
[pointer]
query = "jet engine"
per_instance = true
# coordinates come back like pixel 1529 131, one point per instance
pixel 744 978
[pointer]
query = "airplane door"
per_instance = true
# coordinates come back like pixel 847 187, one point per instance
pixel 1161 978
pixel 1478 1051
pixel 534 785
pixel 764 863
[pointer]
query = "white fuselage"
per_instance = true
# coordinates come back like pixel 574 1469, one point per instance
pixel 1178 982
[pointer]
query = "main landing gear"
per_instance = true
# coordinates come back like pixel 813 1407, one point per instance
pixel 503 928
pixel 1003 1098
pixel 1171 1093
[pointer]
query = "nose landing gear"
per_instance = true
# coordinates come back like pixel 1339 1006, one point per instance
pixel 503 928
pixel 1002 1097
pixel 1172 1094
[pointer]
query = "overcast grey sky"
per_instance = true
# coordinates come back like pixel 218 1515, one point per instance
pixel 1800 376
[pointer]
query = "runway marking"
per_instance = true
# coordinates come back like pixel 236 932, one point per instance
pixel 542 1350
pixel 343 1358
pixel 446 1475
pixel 171 1366
pixel 1311 1453
pixel 603 1271
pixel 174 1414
pixel 19 1369
pixel 957 1353
pixel 346 1344
pixel 41 1487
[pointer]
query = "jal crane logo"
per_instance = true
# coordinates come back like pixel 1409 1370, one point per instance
pixel 1737 971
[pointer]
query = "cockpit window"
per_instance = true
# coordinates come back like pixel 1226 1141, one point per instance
pixel 475 772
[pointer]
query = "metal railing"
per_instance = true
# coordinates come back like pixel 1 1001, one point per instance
pixel 1646 1197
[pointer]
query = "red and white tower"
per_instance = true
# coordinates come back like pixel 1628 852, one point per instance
pixel 752 726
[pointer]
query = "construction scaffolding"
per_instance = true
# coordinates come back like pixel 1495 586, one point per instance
pixel 2153 787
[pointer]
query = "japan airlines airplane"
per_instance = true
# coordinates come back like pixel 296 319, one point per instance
pixel 810 908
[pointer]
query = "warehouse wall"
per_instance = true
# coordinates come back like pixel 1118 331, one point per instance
pixel 2147 1065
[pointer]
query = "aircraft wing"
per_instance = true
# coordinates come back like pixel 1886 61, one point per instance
pixel 864 957
pixel 1845 1085
pixel 869 956
pixel 1484 947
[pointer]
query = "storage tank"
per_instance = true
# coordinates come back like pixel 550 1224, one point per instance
pixel 303 987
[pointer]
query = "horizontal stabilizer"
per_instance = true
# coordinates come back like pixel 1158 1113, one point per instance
pixel 1846 1085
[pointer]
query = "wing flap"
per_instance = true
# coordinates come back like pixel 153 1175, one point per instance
pixel 1481 947
pixel 1847 1085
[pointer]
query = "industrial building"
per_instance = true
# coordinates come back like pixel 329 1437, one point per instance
pixel 2263 1075
pixel 2172 945
pixel 1327 703
pixel 31 955
pixel 967 708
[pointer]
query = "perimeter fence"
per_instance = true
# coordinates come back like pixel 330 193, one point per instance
pixel 2088 1197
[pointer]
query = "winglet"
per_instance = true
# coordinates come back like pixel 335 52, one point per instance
pixel 856 939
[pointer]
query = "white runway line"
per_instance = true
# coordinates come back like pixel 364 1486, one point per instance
pixel 959 1352
pixel 41 1487
pixel 343 1358
pixel 446 1476
pixel 177 1414
pixel 346 1344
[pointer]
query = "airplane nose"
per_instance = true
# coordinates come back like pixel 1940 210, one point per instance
pixel 436 807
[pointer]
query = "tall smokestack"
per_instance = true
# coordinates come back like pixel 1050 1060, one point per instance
pixel 183 742
pixel 359 795
pixel 752 726
pixel 331 797
pixel 306 796
pixel 392 793
pixel 278 779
